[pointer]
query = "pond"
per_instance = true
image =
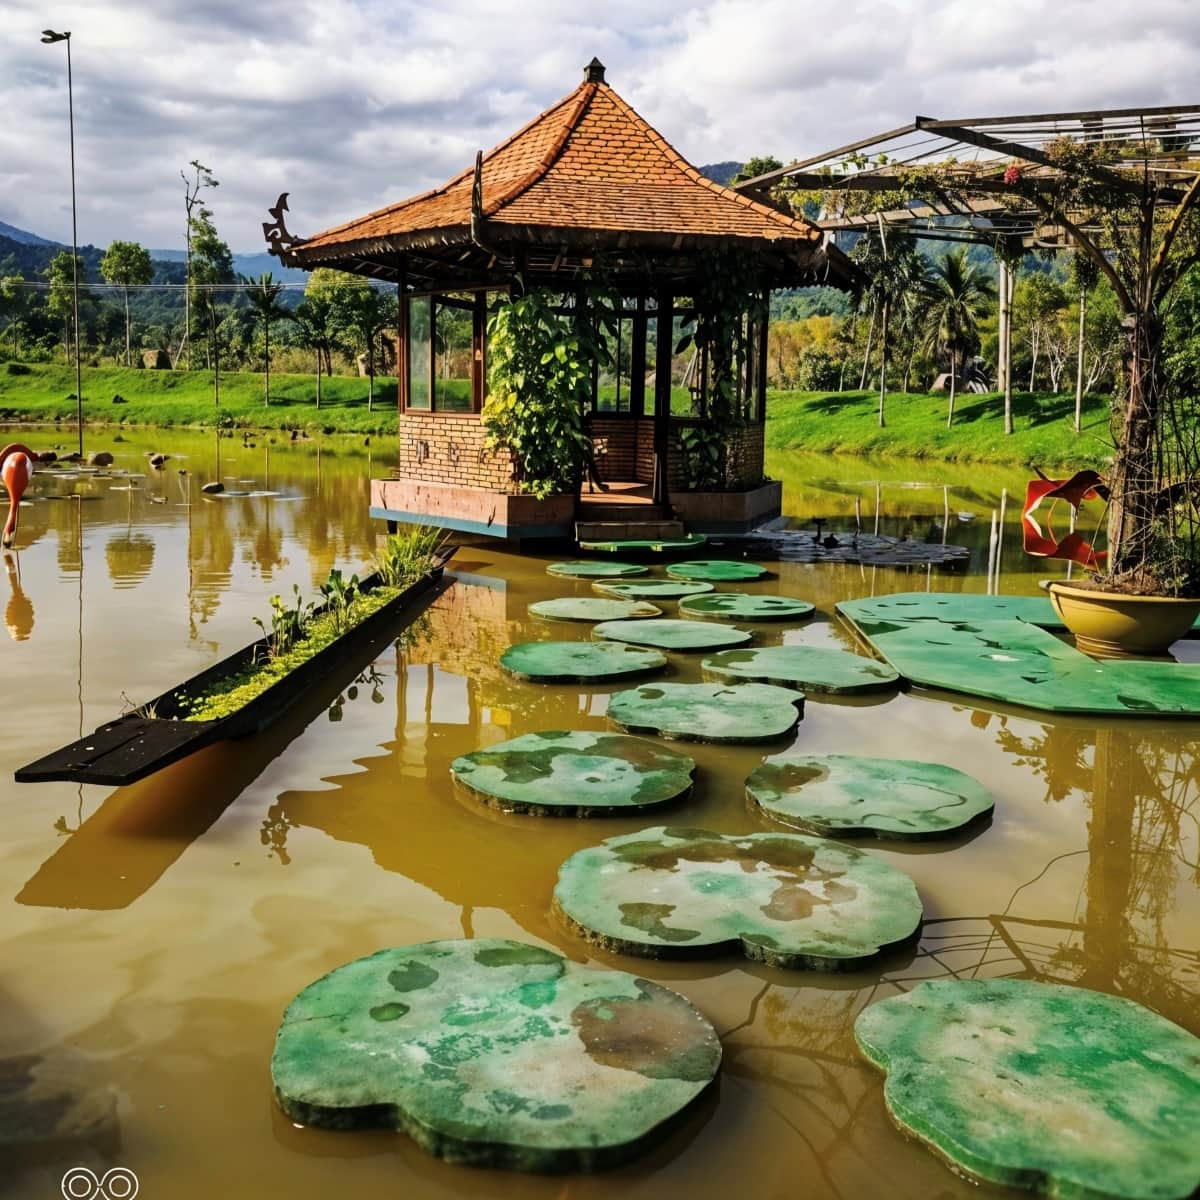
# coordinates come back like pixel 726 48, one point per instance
pixel 152 935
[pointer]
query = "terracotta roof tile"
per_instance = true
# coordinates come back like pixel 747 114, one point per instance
pixel 588 162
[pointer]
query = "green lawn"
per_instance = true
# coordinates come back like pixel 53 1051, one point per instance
pixel 165 398
pixel 847 423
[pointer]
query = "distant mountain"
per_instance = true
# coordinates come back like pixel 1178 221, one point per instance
pixel 722 172
pixel 28 254
pixel 23 236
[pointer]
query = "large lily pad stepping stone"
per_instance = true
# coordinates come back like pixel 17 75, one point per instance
pixel 813 668
pixel 579 662
pixel 493 1053
pixel 715 571
pixel 593 608
pixel 651 589
pixel 595 570
pixel 1057 1089
pixel 742 606
pixel 672 635
pixel 575 774
pixel 707 712
pixel 843 795
pixel 780 898
pixel 645 545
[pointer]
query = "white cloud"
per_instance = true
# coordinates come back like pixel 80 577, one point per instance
pixel 349 105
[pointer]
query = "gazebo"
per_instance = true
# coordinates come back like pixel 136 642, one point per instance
pixel 587 195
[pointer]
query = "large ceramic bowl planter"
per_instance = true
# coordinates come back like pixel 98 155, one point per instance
pixel 1115 625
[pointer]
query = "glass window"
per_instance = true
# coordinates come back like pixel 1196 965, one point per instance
pixel 419 310
pixel 453 345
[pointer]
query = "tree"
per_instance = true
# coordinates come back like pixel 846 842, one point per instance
pixel 368 311
pixel 201 178
pixel 318 327
pixel 211 265
pixel 61 273
pixel 127 264
pixel 1038 308
pixel 957 294
pixel 12 303
pixel 263 294
pixel 760 164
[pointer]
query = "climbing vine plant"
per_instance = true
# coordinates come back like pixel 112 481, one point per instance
pixel 540 365
pixel 727 294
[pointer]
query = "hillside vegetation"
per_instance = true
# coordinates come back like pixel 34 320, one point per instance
pixel 42 393
pixel 847 423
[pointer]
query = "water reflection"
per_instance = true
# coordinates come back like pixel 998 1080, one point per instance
pixel 18 613
pixel 284 855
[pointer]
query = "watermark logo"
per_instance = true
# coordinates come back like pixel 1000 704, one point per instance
pixel 117 1183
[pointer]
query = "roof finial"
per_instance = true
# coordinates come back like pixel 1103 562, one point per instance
pixel 594 72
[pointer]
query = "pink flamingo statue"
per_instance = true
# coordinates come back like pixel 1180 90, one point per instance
pixel 16 468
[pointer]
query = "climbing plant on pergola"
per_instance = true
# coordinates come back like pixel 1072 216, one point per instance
pixel 1121 187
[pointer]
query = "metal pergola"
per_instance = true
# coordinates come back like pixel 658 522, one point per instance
pixel 1149 151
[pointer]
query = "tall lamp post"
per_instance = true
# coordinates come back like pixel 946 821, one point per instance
pixel 49 37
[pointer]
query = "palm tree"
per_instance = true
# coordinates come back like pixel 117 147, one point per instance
pixel 957 295
pixel 318 327
pixel 263 294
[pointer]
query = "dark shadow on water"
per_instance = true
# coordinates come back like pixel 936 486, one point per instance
pixel 139 831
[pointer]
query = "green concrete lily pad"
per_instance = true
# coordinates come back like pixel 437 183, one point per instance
pixel 1060 1090
pixel 716 571
pixel 595 570
pixel 743 606
pixel 575 774
pixel 813 668
pixel 708 712
pixel 493 1053
pixel 592 608
pixel 652 589
pixel 1010 659
pixel 669 634
pixel 781 898
pixel 844 795
pixel 645 545
pixel 579 662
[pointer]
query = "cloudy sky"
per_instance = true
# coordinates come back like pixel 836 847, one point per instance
pixel 351 104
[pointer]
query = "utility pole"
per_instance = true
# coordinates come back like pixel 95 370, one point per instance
pixel 49 37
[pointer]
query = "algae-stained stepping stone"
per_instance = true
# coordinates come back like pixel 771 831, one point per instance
pixel 493 1053
pixel 844 795
pixel 593 608
pixel 595 570
pixel 575 774
pixel 716 571
pixel 781 898
pixel 579 662
pixel 668 634
pixel 744 606
pixel 813 668
pixel 707 712
pixel 645 545
pixel 651 589
pixel 1057 1089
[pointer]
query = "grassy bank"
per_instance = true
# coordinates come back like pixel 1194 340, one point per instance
pixel 44 393
pixel 847 423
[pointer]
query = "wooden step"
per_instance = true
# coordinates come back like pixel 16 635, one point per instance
pixel 624 531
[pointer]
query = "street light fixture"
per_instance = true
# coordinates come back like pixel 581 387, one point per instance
pixel 49 37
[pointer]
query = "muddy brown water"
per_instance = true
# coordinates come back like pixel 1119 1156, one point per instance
pixel 152 935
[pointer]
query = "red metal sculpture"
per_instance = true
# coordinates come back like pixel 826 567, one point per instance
pixel 16 467
pixel 1083 485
